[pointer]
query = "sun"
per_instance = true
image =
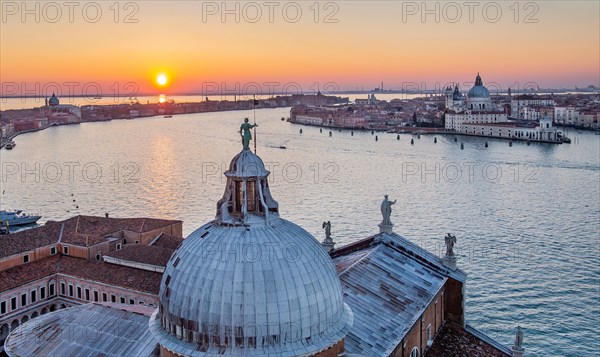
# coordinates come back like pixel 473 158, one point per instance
pixel 162 79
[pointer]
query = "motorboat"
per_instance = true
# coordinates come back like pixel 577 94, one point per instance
pixel 17 218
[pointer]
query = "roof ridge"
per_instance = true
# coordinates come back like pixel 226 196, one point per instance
pixel 156 238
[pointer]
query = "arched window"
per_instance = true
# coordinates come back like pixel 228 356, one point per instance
pixel 414 352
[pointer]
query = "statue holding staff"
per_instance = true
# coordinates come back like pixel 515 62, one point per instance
pixel 246 134
pixel 386 211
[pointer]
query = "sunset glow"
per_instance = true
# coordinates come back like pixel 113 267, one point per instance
pixel 356 44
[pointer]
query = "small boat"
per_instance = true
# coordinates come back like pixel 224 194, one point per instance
pixel 282 119
pixel 282 147
pixel 168 116
pixel 17 218
pixel 10 145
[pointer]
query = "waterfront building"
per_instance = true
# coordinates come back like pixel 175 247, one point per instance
pixel 250 283
pixel 526 100
pixel 477 107
pixel 478 115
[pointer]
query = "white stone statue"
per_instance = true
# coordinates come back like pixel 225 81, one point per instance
pixel 327 227
pixel 450 241
pixel 386 211
pixel 519 338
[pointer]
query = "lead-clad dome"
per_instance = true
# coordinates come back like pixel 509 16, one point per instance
pixel 479 90
pixel 53 101
pixel 250 283
pixel 246 164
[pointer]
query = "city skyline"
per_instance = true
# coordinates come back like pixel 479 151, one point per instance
pixel 351 45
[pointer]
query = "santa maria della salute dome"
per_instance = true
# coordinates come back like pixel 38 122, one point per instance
pixel 250 283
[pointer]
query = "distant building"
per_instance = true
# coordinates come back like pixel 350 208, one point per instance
pixel 520 102
pixel 478 115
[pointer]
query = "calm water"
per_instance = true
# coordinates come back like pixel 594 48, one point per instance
pixel 526 217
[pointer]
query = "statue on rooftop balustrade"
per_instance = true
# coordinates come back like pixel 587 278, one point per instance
pixel 327 227
pixel 246 134
pixel 386 211
pixel 450 241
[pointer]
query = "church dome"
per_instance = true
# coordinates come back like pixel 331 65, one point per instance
pixel 479 90
pixel 250 283
pixel 246 164
pixel 53 100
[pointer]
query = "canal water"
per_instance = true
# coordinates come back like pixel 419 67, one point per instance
pixel 526 217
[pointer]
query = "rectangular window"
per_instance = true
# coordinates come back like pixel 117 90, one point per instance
pixel 26 258
pixel 43 292
pixel 104 297
pixel 2 307
pixel 51 289
pixel 33 296
pixel 98 256
pixel 23 299
pixel 63 289
pixel 13 304
pixel 122 300
pixel 113 298
pixel 118 246
pixel 79 292
pixel 87 294
pixel 52 250
pixel 96 298
pixel 71 293
pixel 131 302
pixel 65 250
pixel 141 302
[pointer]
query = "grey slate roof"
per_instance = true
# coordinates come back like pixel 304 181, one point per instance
pixel 387 285
pixel 84 330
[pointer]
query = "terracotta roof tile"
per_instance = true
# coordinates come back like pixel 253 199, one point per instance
pixel 131 278
pixel 453 340
pixel 30 239
pixel 23 274
pixel 168 241
pixel 144 254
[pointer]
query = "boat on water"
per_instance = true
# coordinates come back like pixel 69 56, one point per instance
pixel 10 145
pixel 17 218
pixel 168 116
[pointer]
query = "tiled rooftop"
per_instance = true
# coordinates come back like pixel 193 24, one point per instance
pixel 23 274
pixel 382 281
pixel 79 230
pixel 453 340
pixel 167 241
pixel 126 277
pixel 23 241
pixel 152 255
pixel 131 278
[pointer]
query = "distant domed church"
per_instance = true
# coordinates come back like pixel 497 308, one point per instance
pixel 53 101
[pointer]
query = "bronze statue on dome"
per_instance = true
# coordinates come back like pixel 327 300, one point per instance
pixel 246 134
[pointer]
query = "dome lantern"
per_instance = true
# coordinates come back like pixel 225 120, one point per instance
pixel 247 198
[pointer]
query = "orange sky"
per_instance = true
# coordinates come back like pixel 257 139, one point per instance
pixel 372 41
